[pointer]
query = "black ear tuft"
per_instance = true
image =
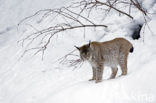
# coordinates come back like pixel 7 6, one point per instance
pixel 77 47
pixel 89 43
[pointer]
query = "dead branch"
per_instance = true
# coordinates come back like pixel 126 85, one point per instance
pixel 38 12
pixel 98 2
pixel 73 20
pixel 138 6
pixel 67 61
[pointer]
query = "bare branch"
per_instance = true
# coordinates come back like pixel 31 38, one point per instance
pixel 137 5
pixel 74 63
pixel 38 12
pixel 78 19
pixel 98 2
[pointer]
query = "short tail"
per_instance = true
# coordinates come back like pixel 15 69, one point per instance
pixel 132 49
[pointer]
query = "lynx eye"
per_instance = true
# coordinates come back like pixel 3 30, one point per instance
pixel 86 52
pixel 83 53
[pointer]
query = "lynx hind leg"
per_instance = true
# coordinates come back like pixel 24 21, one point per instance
pixel 99 73
pixel 123 64
pixel 114 72
pixel 94 74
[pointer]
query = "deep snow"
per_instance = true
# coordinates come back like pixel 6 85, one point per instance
pixel 32 80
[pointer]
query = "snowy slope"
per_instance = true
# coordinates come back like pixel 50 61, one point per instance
pixel 32 80
pixel 137 87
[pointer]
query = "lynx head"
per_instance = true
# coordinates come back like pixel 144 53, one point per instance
pixel 84 51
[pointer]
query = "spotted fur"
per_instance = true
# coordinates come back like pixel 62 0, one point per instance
pixel 110 53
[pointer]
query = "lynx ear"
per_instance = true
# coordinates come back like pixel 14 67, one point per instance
pixel 89 43
pixel 77 47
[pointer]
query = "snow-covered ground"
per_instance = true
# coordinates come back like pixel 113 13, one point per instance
pixel 31 80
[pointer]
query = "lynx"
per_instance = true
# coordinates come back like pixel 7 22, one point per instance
pixel 110 53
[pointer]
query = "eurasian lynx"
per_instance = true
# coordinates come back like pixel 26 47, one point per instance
pixel 110 53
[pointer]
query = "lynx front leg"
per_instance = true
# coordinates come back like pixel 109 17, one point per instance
pixel 94 74
pixel 99 73
pixel 114 72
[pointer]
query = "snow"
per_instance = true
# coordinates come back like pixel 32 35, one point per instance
pixel 11 12
pixel 31 80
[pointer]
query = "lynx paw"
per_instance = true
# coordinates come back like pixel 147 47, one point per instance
pixel 98 81
pixel 111 77
pixel 91 79
pixel 122 75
